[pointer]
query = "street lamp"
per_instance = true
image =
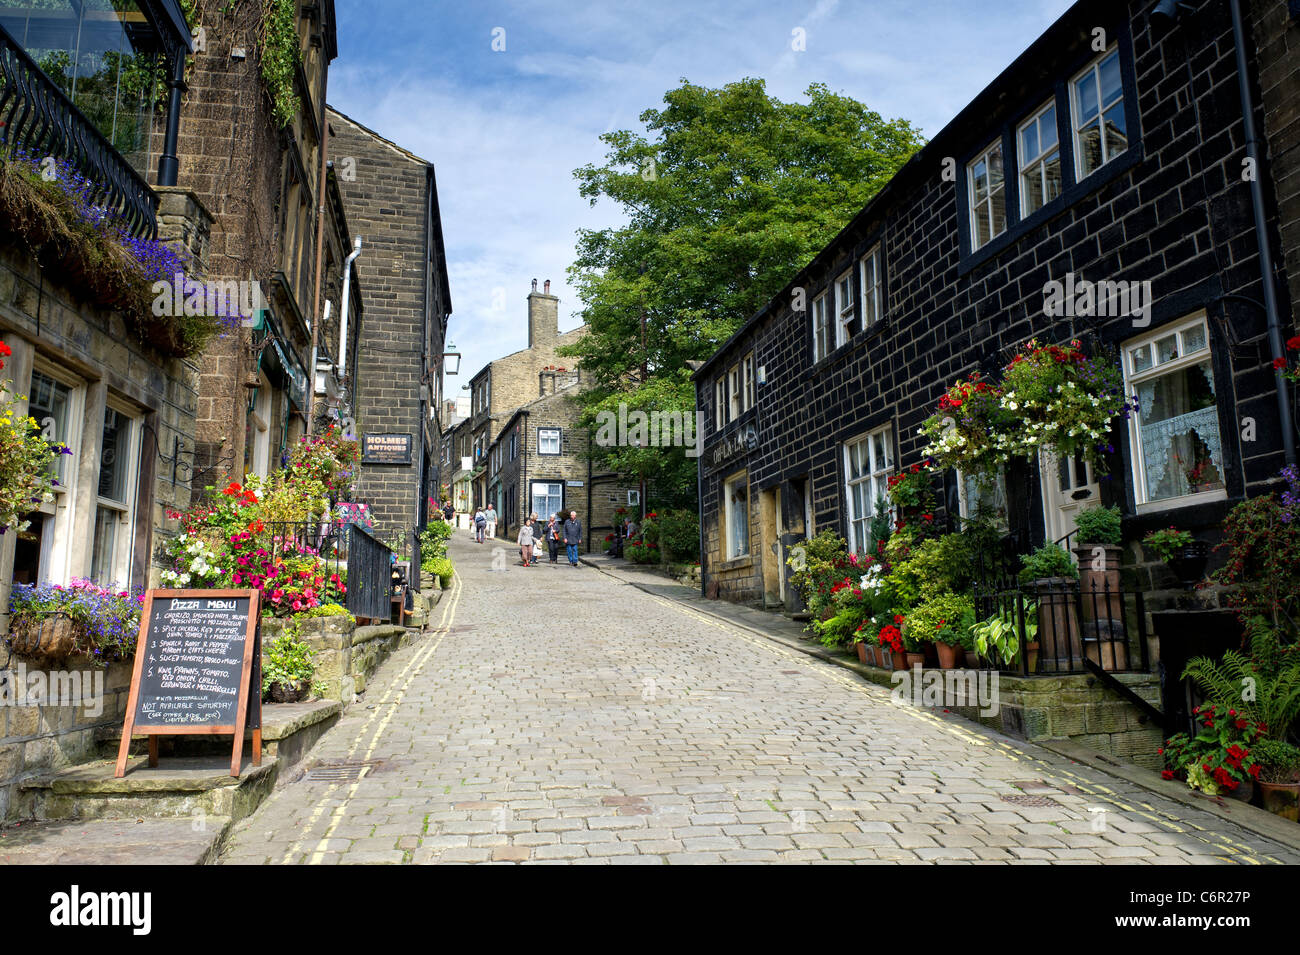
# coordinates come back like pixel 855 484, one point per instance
pixel 454 367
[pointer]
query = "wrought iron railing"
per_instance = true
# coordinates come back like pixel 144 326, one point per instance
pixel 1062 627
pixel 39 119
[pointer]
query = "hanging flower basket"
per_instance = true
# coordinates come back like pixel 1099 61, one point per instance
pixel 49 639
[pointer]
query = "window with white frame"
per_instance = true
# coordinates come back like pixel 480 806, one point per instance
pixel 988 196
pixel 548 441
pixel 868 461
pixel 983 497
pixel 843 307
pixel 735 494
pixel 747 373
pixel 720 402
pixel 110 551
pixel 1040 160
pixel 547 499
pixel 1176 443
pixel 872 288
pixel 1097 104
pixel 735 392
pixel 821 327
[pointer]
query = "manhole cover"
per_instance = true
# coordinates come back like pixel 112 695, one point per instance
pixel 342 772
pixel 1024 799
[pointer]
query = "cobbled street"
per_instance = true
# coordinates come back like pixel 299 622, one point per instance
pixel 560 715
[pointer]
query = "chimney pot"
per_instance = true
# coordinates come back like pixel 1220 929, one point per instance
pixel 546 288
pixel 534 285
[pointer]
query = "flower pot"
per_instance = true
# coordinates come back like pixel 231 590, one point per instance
pixel 1189 564
pixel 1281 799
pixel 863 650
pixel 290 692
pixel 951 655
pixel 1244 792
pixel 912 660
pixel 1099 587
pixel 897 659
pixel 1031 655
pixel 931 654
pixel 1058 630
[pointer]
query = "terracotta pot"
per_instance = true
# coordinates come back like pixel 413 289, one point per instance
pixel 862 653
pixel 897 660
pixel 951 655
pixel 1244 792
pixel 1281 799
pixel 1031 652
pixel 912 660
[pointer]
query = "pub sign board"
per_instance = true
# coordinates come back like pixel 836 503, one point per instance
pixel 386 449
pixel 198 663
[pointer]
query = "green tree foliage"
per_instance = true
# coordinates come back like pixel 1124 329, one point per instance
pixel 727 194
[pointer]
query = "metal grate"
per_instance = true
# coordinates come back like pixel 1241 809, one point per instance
pixel 341 772
pixel 1025 799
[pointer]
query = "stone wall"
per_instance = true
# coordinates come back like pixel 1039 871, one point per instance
pixel 36 738
pixel 345 655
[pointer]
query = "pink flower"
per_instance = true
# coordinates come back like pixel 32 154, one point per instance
pixel 297 605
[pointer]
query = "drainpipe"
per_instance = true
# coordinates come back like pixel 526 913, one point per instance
pixel 699 483
pixel 315 349
pixel 343 310
pixel 1261 235
pixel 168 164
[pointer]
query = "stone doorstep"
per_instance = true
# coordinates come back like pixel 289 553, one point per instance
pixel 280 722
pixel 1248 817
pixel 113 842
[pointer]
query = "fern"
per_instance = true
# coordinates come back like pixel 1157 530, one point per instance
pixel 1238 683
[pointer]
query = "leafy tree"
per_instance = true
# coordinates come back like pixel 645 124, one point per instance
pixel 727 194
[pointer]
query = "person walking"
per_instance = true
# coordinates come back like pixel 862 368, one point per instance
pixel 490 515
pixel 448 512
pixel 572 537
pixel 526 543
pixel 554 534
pixel 480 525
pixel 536 526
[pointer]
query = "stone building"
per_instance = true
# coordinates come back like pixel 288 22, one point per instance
pixel 539 462
pixel 261 177
pixel 506 383
pixel 391 198
pixel 1122 139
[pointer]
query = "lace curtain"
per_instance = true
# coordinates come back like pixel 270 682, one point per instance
pixel 1158 439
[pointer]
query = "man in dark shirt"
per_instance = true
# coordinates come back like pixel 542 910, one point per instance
pixel 572 537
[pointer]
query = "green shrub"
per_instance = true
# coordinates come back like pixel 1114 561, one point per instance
pixel 288 661
pixel 326 610
pixel 440 567
pixel 679 536
pixel 1279 762
pixel 639 552
pixel 942 618
pixel 1050 560
pixel 433 540
pixel 1099 525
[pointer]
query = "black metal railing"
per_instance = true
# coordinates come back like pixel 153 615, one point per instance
pixel 1062 627
pixel 38 119
pixel 415 560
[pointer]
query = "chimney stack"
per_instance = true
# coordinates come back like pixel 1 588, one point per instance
pixel 543 317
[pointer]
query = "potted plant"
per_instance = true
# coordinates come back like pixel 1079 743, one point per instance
pixel 892 648
pixel 442 568
pixel 1098 527
pixel 1279 777
pixel 1182 554
pixel 53 622
pixel 1051 573
pixel 944 620
pixel 287 669
pixel 998 637
pixel 1219 759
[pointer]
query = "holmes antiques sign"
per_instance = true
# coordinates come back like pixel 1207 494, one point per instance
pixel 386 449
pixel 737 444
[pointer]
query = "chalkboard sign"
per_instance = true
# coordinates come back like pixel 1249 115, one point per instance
pixel 197 670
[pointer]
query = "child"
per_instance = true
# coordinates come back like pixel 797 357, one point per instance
pixel 526 543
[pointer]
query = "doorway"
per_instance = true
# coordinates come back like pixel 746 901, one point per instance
pixel 773 556
pixel 1069 486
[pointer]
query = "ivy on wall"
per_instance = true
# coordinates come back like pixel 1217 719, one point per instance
pixel 279 53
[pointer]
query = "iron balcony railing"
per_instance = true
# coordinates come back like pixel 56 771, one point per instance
pixel 40 120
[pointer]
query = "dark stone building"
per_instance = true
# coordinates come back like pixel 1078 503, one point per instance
pixel 1113 149
pixel 391 199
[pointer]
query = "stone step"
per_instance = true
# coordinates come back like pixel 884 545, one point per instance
pixel 199 788
pixel 289 730
pixel 114 842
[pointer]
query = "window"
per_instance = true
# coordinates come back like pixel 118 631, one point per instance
pixel 257 443
pixel 111 540
pixel 1097 101
pixel 548 498
pixel 1040 161
pixel 1177 449
pixel 988 200
pixel 720 402
pixel 869 272
pixel 844 307
pixel 747 373
pixel 548 442
pixel 735 494
pixel 821 328
pixel 50 404
pixel 733 387
pixel 983 497
pixel 867 463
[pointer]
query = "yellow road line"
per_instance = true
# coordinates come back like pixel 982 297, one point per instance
pixel 382 707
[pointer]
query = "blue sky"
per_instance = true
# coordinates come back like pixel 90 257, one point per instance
pixel 506 129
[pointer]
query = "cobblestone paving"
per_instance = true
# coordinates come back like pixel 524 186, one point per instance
pixel 558 715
